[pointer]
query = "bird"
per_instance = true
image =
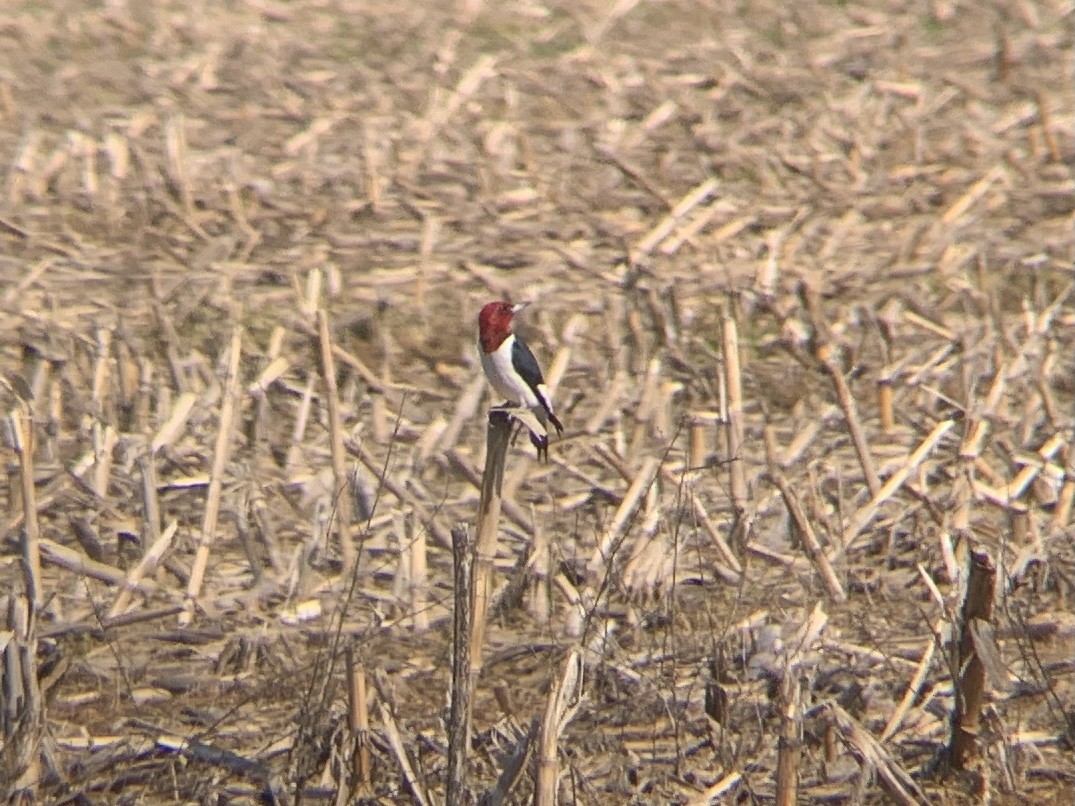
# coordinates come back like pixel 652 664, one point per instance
pixel 512 369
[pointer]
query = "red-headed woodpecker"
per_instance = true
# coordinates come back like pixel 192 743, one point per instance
pixel 512 369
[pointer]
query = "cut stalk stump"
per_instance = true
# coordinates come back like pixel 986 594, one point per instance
pixel 977 614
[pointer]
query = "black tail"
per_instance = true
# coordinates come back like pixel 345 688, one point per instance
pixel 542 443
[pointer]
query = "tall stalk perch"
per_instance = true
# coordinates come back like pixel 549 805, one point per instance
pixel 459 714
pixel 498 435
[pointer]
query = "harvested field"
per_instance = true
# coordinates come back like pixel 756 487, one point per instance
pixel 803 280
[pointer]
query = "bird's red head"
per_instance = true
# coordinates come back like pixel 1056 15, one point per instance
pixel 494 323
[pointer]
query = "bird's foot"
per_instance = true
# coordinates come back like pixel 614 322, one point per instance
pixel 542 446
pixel 539 435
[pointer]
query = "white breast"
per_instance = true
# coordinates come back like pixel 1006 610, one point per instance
pixel 502 376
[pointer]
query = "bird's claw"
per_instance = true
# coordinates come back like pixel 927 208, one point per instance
pixel 539 436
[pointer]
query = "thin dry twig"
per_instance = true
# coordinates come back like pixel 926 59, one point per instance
pixel 718 790
pixel 734 422
pixel 513 769
pixel 825 354
pixel 342 500
pixel 644 479
pixel 809 539
pixel 913 690
pixel 149 562
pixel 216 477
pixel 401 492
pixel 23 433
pixel 897 782
pixel 867 511
pixel 399 750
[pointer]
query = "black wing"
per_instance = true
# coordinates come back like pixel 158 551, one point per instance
pixel 527 366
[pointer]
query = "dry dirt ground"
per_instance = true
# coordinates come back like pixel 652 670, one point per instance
pixel 650 174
